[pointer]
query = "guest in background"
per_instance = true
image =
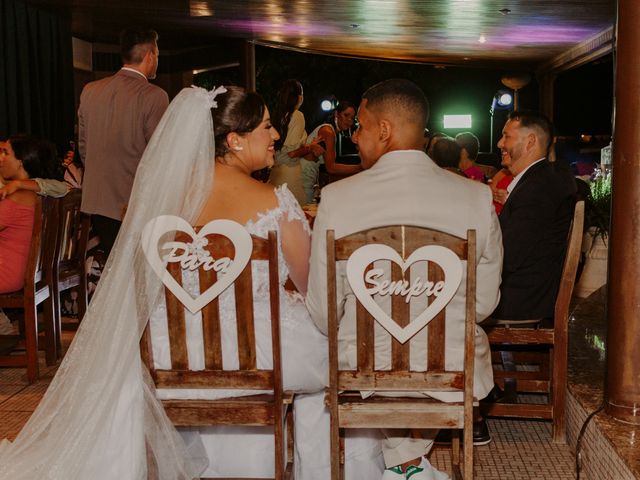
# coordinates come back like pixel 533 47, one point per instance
pixel 116 119
pixel 21 158
pixel 534 221
pixel 48 187
pixel 469 148
pixel 288 120
pixel 446 154
pixel 433 140
pixel 325 136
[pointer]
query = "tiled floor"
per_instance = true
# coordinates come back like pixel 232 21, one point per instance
pixel 520 450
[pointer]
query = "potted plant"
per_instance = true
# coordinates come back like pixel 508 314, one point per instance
pixel 596 236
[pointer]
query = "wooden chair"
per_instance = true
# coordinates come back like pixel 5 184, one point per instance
pixel 347 407
pixel 37 290
pixel 257 410
pixel 71 249
pixel 532 359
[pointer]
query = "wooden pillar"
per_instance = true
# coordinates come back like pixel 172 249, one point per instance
pixel 623 355
pixel 249 66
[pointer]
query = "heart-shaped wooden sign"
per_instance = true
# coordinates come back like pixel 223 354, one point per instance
pixel 443 291
pixel 193 255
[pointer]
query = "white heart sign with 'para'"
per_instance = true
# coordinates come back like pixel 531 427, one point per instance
pixel 192 256
pixel 443 291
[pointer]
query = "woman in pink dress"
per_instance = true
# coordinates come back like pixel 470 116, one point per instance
pixel 21 157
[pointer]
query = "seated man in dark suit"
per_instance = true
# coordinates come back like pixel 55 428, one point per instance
pixel 535 219
pixel 535 223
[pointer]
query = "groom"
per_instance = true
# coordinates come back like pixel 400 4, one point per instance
pixel 401 185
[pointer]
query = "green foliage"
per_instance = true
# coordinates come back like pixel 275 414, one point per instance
pixel 598 206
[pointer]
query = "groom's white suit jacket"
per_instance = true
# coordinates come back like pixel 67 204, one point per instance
pixel 408 188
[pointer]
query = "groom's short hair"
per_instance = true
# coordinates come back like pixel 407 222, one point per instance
pixel 397 96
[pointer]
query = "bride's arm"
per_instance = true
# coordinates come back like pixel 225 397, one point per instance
pixel 296 248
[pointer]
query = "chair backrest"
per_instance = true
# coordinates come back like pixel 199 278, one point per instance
pixel 570 265
pixel 73 233
pixel 33 271
pixel 404 240
pixel 214 376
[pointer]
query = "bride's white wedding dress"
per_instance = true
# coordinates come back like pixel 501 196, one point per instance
pixel 249 450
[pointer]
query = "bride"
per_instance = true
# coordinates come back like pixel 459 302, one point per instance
pixel 100 417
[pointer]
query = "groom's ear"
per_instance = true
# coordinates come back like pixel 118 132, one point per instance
pixel 384 130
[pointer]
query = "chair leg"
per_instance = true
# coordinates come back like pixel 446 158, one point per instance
pixel 335 449
pixel 31 339
pixel 83 301
pixel 290 443
pixel 468 456
pixel 455 447
pixel 278 433
pixel 57 316
pixel 50 338
pixel 558 395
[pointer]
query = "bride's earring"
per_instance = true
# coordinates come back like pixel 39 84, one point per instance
pixel 237 148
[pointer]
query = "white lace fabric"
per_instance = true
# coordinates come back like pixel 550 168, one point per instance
pixel 100 418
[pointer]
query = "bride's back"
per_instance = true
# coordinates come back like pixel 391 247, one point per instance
pixel 236 196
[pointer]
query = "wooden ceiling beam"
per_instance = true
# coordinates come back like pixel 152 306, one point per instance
pixel 583 53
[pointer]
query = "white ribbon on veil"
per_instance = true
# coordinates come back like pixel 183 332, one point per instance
pixel 100 418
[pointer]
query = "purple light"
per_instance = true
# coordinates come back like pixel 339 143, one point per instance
pixel 524 35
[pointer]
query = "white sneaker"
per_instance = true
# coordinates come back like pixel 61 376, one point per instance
pixel 425 471
pixel 393 473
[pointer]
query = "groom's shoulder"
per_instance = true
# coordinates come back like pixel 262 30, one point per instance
pixel 347 185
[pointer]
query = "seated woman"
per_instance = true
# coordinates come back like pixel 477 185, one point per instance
pixel 21 158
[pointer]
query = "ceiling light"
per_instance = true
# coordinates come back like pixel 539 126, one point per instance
pixel 482 39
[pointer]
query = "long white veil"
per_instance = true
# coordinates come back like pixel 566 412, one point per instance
pixel 99 418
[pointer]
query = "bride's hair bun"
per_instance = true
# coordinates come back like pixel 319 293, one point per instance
pixel 238 111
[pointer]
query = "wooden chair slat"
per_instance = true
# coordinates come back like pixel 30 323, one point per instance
pixel 436 328
pixel 212 379
pixel 366 341
pixel 176 323
pixel 386 381
pixel 346 247
pixel 245 320
pixel 400 313
pixel 211 333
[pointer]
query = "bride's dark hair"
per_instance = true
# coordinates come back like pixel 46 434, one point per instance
pixel 238 111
